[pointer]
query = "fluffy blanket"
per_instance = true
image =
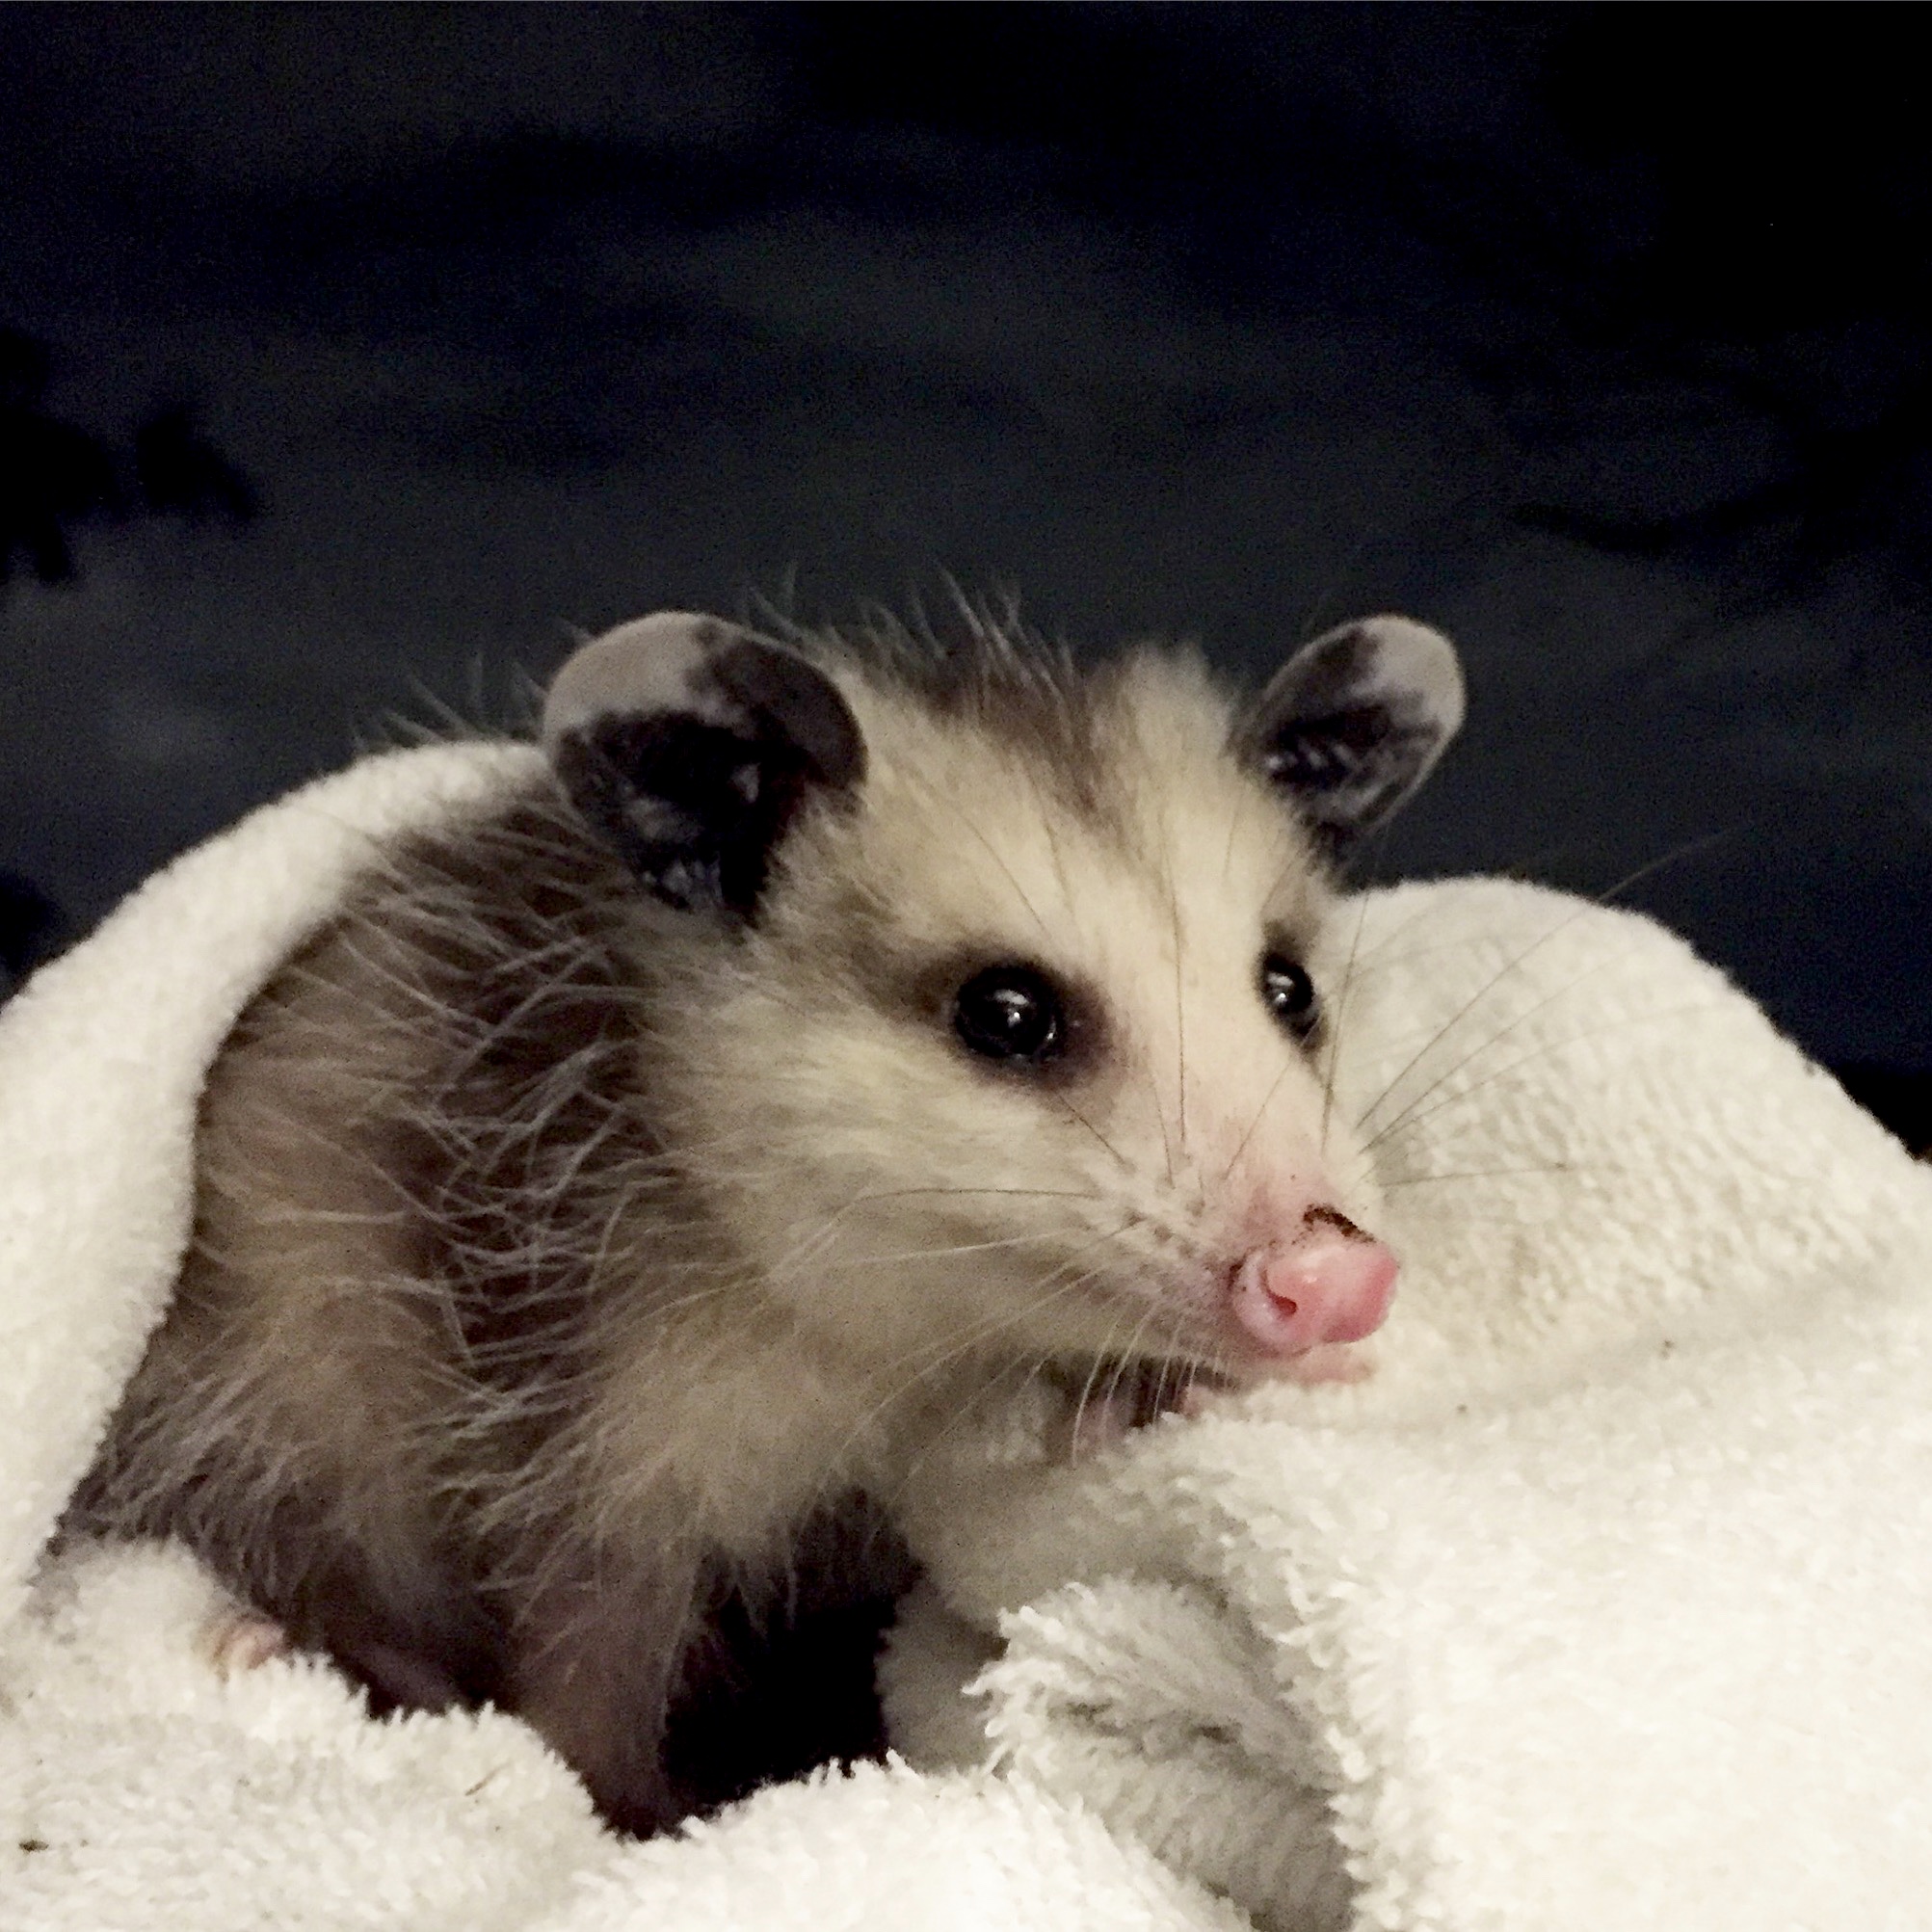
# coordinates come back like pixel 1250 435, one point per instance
pixel 1605 1595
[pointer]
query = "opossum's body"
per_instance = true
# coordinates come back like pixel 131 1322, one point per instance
pixel 597 1218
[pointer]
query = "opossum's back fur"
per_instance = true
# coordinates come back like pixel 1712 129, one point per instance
pixel 404 1152
pixel 436 1235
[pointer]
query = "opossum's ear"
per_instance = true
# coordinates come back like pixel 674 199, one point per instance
pixel 690 745
pixel 1352 724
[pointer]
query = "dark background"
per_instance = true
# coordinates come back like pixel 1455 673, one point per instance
pixel 358 352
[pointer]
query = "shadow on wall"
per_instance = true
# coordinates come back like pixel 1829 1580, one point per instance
pixel 54 476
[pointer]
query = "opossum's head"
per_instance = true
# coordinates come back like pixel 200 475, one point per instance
pixel 1005 1040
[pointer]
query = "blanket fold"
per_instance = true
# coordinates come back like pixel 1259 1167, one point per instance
pixel 1605 1596
pixel 1652 1651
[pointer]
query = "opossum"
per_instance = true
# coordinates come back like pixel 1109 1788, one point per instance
pixel 599 1218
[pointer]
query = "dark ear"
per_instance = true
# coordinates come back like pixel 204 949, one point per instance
pixel 1351 725
pixel 690 745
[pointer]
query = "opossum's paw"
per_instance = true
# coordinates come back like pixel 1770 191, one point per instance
pixel 235 1639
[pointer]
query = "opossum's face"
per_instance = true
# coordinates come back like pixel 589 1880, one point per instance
pixel 1012 1046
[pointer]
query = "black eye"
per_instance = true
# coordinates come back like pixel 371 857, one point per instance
pixel 1289 994
pixel 1011 1013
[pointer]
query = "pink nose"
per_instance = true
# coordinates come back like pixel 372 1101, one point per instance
pixel 1329 1282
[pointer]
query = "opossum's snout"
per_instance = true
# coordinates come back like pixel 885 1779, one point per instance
pixel 1328 1282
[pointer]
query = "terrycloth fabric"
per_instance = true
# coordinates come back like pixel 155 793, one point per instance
pixel 141 1790
pixel 1608 1602
pixel 1542 1625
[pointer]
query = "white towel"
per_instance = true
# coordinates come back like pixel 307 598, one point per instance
pixel 142 1791
pixel 1538 1626
pixel 1608 1600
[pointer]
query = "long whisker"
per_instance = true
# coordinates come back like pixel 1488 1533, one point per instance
pixel 1027 1193
pixel 955 1349
pixel 1581 910
pixel 951 1349
pixel 1180 1002
pixel 1411 1118
pixel 1102 1357
pixel 1334 1055
pixel 1071 1285
pixel 1234 826
pixel 1483 1045
pixel 1022 1371
pixel 962 1247
pixel 1267 1100
pixel 1581 1169
pixel 1124 1362
pixel 1103 1140
pixel 814 1241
